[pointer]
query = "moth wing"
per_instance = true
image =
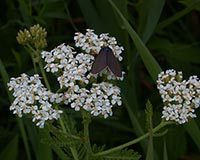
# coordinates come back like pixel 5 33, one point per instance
pixel 113 64
pixel 100 62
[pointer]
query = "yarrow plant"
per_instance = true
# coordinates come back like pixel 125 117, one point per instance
pixel 91 94
pixel 79 88
pixel 181 97
pixel 73 70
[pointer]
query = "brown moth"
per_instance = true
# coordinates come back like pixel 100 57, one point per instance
pixel 106 59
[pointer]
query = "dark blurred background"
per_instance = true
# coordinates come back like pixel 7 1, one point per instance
pixel 169 28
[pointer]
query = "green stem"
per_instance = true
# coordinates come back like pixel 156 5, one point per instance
pixel 44 74
pixel 86 135
pixel 72 149
pixel 35 55
pixel 34 64
pixel 86 122
pixel 157 128
pixel 30 49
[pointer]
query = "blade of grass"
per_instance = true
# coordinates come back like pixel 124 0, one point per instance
pixel 165 156
pixel 194 132
pixel 11 147
pixel 136 124
pixel 151 64
pixel 149 115
pixel 40 149
pixel 5 78
pixel 177 16
pixel 149 12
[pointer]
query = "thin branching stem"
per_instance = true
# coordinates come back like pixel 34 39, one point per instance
pixel 120 147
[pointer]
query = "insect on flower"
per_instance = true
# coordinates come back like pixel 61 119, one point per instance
pixel 106 59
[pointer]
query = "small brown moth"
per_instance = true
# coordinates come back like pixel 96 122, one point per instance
pixel 106 59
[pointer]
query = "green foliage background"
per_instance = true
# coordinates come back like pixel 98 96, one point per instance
pixel 170 32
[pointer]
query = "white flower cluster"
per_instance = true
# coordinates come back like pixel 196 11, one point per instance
pixel 73 71
pixel 180 97
pixel 92 43
pixel 101 99
pixel 70 66
pixel 74 75
pixel 98 100
pixel 31 97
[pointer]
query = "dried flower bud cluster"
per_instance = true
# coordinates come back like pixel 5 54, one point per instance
pixel 180 97
pixel 31 97
pixel 36 36
pixel 23 37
